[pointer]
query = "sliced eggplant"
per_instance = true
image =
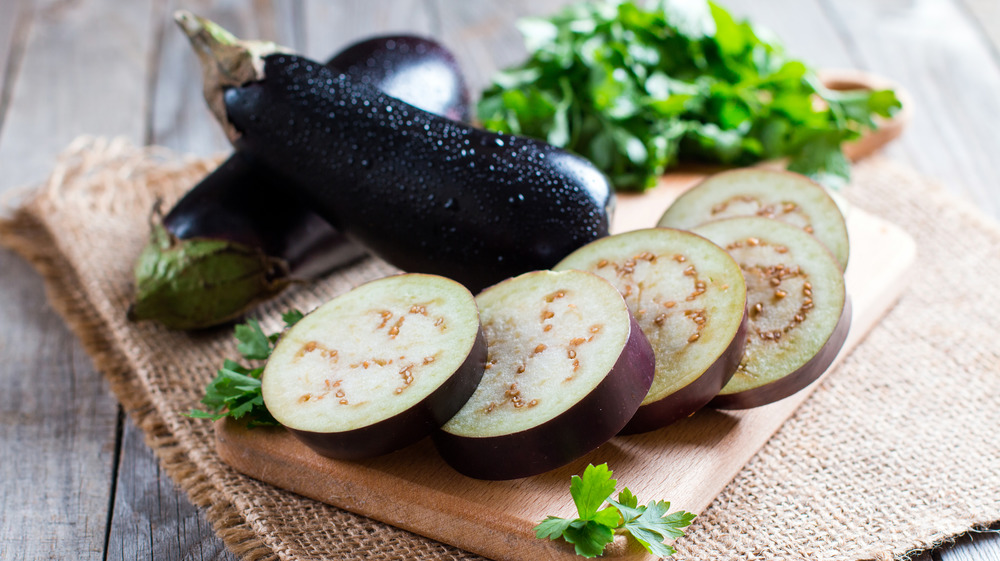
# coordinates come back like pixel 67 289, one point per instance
pixel 377 368
pixel 782 195
pixel 690 300
pixel 567 368
pixel 799 310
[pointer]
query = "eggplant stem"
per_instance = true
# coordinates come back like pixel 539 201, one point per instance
pixel 226 61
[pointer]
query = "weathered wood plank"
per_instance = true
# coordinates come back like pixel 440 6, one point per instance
pixel 179 117
pixel 331 26
pixel 83 72
pixel 821 44
pixel 15 21
pixel 986 14
pixel 152 518
pixel 57 430
pixel 935 51
pixel 58 419
pixel 844 42
pixel 973 547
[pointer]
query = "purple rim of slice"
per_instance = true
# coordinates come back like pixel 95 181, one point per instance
pixel 560 440
pixel 797 380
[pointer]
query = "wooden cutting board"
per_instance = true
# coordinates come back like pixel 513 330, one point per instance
pixel 688 463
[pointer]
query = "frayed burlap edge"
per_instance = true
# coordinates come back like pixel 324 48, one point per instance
pixel 30 239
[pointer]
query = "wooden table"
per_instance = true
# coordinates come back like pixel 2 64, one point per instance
pixel 76 479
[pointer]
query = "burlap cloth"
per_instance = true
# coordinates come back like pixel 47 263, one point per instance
pixel 896 452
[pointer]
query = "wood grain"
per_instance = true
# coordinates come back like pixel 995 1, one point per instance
pixel 331 26
pixel 152 519
pixel 932 50
pixel 689 462
pixel 150 516
pixel 972 547
pixel 484 36
pixel 986 17
pixel 83 72
pixel 57 426
pixel 59 420
pixel 15 21
pixel 179 118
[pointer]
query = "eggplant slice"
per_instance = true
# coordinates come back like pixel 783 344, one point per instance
pixel 799 310
pixel 782 195
pixel 689 298
pixel 377 368
pixel 567 368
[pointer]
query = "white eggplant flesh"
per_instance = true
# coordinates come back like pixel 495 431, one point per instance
pixel 782 195
pixel 377 368
pixel 689 298
pixel 799 310
pixel 567 368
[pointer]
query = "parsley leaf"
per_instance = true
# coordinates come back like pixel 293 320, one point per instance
pixel 589 491
pixel 595 527
pixel 254 345
pixel 638 89
pixel 291 317
pixel 236 389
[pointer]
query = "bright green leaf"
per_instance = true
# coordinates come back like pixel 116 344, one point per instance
pixel 589 538
pixel 591 490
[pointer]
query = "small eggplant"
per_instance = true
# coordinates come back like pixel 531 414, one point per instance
pixel 425 193
pixel 242 235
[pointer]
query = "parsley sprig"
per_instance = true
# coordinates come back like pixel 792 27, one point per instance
pixel 638 88
pixel 595 528
pixel 236 391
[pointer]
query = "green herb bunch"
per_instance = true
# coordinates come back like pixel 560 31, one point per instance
pixel 595 528
pixel 636 89
pixel 235 391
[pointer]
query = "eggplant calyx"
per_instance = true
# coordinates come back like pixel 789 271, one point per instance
pixel 199 282
pixel 226 61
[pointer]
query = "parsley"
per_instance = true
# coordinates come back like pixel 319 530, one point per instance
pixel 595 528
pixel 638 89
pixel 236 391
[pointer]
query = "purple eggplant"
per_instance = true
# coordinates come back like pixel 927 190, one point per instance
pixel 425 193
pixel 242 235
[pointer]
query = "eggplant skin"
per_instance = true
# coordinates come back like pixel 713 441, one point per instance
pixel 410 426
pixel 796 380
pixel 689 399
pixel 246 203
pixel 425 193
pixel 583 427
pixel 419 71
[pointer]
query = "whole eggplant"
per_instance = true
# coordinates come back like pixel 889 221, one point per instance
pixel 242 234
pixel 425 193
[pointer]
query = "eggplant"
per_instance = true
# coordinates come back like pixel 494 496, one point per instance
pixel 567 367
pixel 800 313
pixel 690 300
pixel 242 235
pixel 782 195
pixel 377 368
pixel 425 193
